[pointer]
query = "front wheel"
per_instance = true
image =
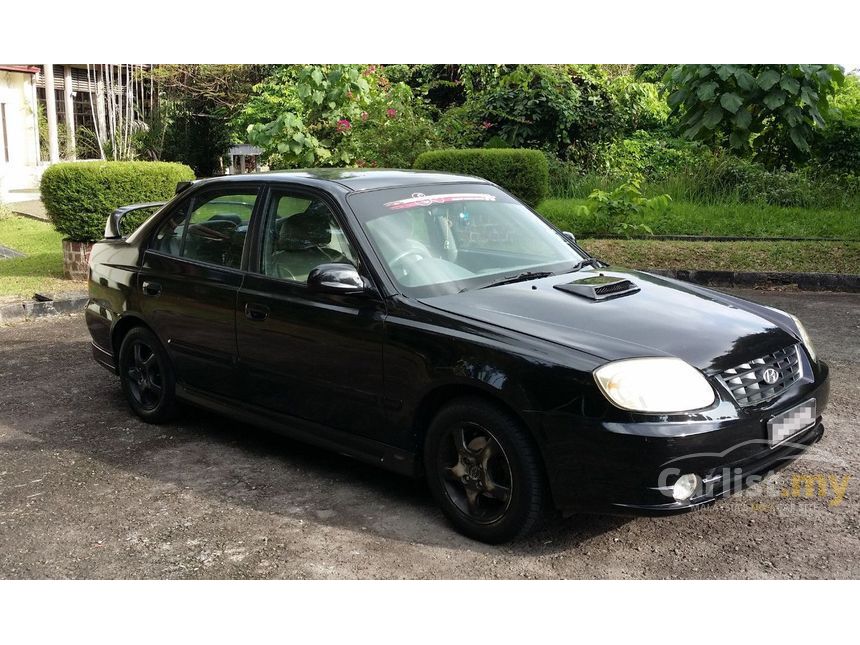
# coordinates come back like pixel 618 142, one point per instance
pixel 485 472
pixel 147 376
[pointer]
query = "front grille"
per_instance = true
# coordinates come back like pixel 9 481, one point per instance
pixel 747 383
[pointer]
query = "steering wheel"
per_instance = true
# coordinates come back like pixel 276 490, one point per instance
pixel 406 254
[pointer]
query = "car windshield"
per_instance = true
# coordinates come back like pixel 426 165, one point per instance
pixel 447 238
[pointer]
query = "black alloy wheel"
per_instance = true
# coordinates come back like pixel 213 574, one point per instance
pixel 485 471
pixel 147 376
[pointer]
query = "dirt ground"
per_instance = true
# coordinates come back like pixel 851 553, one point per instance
pixel 88 491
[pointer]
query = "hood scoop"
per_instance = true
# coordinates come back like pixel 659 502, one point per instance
pixel 599 287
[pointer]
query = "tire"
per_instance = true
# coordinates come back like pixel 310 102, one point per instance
pixel 485 472
pixel 147 376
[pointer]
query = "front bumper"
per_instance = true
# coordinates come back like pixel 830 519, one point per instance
pixel 617 467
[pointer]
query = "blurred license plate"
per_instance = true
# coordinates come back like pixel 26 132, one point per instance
pixel 789 423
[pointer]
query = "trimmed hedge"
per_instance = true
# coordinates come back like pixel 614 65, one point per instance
pixel 79 197
pixel 525 173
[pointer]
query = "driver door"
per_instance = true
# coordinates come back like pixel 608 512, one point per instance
pixel 313 356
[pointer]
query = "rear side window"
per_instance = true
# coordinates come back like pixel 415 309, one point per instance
pixel 209 228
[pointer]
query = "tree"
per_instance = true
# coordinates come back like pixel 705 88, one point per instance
pixel 197 106
pixel 771 110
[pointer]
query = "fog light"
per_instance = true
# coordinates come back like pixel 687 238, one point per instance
pixel 685 487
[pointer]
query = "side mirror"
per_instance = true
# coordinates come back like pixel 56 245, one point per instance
pixel 336 278
pixel 113 228
pixel 569 236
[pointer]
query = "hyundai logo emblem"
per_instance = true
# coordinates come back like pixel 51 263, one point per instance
pixel 770 376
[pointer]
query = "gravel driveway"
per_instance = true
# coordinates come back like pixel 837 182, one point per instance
pixel 88 491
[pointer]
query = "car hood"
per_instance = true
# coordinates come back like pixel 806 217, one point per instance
pixel 665 317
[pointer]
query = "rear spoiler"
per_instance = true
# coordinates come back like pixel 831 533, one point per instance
pixel 113 231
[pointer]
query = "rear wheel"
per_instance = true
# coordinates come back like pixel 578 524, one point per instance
pixel 147 376
pixel 484 472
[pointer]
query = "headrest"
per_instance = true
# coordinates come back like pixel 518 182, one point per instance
pixel 305 230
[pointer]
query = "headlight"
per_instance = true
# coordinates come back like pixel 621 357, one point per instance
pixel 654 385
pixel 804 337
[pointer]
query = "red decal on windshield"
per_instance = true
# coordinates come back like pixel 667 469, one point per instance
pixel 420 199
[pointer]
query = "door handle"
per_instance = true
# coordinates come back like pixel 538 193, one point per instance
pixel 256 312
pixel 151 288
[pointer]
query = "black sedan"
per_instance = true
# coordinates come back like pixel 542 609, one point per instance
pixel 434 325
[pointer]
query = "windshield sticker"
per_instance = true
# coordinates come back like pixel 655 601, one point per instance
pixel 420 199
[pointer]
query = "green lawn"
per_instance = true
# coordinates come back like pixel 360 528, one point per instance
pixel 812 257
pixel 42 268
pixel 730 219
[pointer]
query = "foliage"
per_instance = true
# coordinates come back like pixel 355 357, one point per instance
pixel 328 98
pixel 846 101
pixel 461 127
pixel 560 108
pixel 621 211
pixel 79 197
pixel 638 105
pixel 198 106
pixel 654 157
pixel 837 150
pixel 524 173
pixel 197 139
pixel 392 132
pixel 753 107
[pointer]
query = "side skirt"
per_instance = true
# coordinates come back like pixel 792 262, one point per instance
pixel 372 452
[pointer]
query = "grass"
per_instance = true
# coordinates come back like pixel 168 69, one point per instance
pixel 813 257
pixel 42 268
pixel 729 219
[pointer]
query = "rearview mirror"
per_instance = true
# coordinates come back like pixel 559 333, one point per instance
pixel 339 278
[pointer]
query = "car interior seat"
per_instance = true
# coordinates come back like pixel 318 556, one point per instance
pixel 302 244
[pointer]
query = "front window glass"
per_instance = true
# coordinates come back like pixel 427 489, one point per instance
pixel 448 238
pixel 301 234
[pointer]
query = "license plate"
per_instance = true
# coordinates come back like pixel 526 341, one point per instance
pixel 787 424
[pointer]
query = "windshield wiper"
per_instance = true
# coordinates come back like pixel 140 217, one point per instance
pixel 584 263
pixel 520 277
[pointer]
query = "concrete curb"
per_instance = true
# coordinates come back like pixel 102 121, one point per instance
pixel 804 281
pixel 32 309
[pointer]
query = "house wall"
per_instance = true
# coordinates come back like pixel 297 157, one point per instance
pixel 21 136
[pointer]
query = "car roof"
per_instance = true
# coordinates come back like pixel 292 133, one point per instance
pixel 356 179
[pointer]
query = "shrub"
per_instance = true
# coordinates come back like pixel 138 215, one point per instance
pixel 839 148
pixel 392 132
pixel 79 197
pixel 652 156
pixel 622 210
pixel 522 172
pixel 563 108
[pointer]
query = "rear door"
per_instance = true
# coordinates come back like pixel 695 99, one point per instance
pixel 314 356
pixel 189 283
